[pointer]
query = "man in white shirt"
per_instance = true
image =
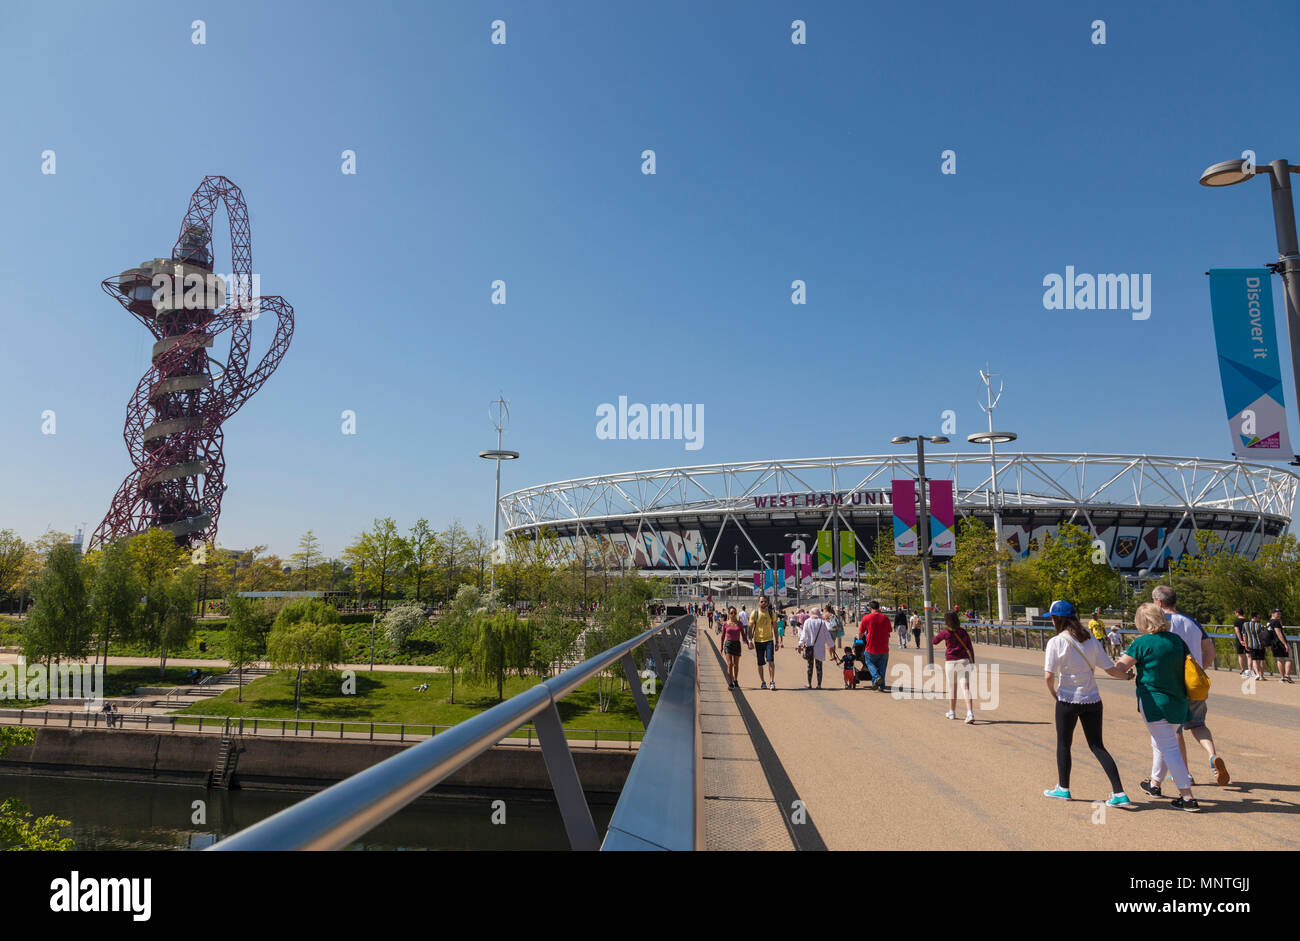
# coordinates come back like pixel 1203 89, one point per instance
pixel 814 638
pixel 1201 647
pixel 744 617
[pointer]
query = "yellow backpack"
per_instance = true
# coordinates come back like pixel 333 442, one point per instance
pixel 1197 680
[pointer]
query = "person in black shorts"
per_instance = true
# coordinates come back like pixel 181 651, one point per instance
pixel 1281 649
pixel 1239 621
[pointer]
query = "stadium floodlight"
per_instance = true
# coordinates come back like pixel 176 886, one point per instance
pixel 499 412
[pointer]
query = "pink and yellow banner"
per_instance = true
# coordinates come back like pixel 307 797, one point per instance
pixel 903 497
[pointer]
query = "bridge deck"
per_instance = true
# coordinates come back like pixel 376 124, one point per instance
pixel 873 771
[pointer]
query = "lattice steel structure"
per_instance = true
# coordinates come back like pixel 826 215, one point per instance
pixel 1146 509
pixel 174 420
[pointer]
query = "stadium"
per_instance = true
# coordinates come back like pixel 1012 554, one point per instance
pixel 711 524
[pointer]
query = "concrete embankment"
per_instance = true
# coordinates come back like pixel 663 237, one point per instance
pixel 276 763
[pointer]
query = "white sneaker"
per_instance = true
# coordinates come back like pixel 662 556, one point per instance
pixel 950 714
pixel 970 718
pixel 1245 672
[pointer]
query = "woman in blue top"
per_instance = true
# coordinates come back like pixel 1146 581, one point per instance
pixel 1160 657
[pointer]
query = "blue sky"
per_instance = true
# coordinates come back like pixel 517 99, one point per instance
pixel 522 162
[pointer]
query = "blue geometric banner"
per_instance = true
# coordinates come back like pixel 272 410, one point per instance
pixel 1250 366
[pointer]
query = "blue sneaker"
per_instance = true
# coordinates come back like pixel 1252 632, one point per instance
pixel 1060 793
pixel 1121 800
pixel 763 685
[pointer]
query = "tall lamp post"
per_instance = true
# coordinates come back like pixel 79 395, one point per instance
pixel 923 525
pixel 499 412
pixel 993 439
pixel 1288 249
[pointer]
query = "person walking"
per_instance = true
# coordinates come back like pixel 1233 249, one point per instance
pixel 1116 641
pixel 1237 623
pixel 875 630
pixel 1160 656
pixel 900 625
pixel 958 663
pixel 733 632
pixel 1254 638
pixel 780 629
pixel 762 631
pixel 1281 649
pixel 1203 652
pixel 1072 655
pixel 836 625
pixel 814 640
pixel 1097 626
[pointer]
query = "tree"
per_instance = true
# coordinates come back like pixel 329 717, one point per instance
pixel 114 594
pixel 304 645
pixel 59 626
pixel 423 544
pixel 554 637
pixel 174 625
pixel 378 555
pixel 246 632
pixel 402 621
pixel 897 577
pixel 307 609
pixel 500 644
pixel 307 556
pixel 13 561
pixel 453 631
pixel 1065 567
pixel 19 830
pixel 624 616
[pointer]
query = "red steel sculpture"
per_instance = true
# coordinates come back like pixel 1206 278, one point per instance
pixel 174 419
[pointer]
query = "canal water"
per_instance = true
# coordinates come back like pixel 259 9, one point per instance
pixel 119 815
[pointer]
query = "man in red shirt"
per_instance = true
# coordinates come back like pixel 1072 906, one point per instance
pixel 875 630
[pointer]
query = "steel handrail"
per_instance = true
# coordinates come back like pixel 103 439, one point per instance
pixel 339 814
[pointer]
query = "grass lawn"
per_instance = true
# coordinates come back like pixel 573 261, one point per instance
pixel 391 697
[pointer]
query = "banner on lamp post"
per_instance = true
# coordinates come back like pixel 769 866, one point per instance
pixel 848 555
pixel 825 547
pixel 1250 369
pixel 903 497
pixel 943 538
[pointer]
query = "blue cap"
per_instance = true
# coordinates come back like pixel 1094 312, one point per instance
pixel 1061 609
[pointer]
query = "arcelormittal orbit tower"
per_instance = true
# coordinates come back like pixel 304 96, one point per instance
pixel 173 421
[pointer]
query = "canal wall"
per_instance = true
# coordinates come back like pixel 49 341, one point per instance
pixel 269 762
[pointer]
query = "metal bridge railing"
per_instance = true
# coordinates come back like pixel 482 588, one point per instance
pixel 338 815
pixel 662 804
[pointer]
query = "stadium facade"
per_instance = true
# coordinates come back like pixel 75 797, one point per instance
pixel 689 522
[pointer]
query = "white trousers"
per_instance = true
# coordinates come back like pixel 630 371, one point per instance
pixel 1165 756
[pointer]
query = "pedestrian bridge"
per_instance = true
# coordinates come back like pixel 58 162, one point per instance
pixel 835 768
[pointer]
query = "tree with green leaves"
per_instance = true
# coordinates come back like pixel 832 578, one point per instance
pixel 59 627
pixel 501 643
pixel 624 615
pixel 453 631
pixel 307 556
pixel 19 830
pixel 1069 566
pixel 378 556
pixel 114 595
pixel 304 645
pixel 245 636
pixel 554 637
pixel 423 546
pixel 13 561
pixel 307 609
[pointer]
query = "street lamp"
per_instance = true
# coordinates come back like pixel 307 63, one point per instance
pixel 500 419
pixel 1279 173
pixel 992 439
pixel 923 525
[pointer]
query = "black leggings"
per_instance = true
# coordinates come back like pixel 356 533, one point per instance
pixel 1089 716
pixel 819 671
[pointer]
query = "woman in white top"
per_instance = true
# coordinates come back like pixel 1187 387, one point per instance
pixel 1073 654
pixel 814 638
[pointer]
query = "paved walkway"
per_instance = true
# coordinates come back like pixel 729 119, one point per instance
pixel 876 772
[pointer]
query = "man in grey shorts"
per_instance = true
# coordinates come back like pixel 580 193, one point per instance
pixel 1201 647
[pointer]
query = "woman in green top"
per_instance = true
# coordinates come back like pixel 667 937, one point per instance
pixel 1160 657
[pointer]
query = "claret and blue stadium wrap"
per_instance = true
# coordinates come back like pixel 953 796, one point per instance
pixel 1245 334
